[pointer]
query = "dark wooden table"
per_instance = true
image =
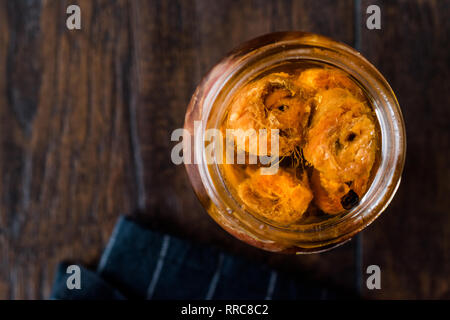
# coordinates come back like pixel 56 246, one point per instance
pixel 86 117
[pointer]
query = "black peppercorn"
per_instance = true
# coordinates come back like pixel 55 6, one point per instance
pixel 350 200
pixel 351 137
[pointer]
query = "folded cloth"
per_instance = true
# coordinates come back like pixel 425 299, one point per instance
pixel 143 264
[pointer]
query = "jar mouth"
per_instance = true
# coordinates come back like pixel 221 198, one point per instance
pixel 266 52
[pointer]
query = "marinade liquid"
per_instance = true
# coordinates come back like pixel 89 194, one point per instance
pixel 328 143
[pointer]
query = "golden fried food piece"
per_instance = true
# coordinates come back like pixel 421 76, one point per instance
pixel 328 193
pixel 341 139
pixel 281 197
pixel 341 145
pixel 272 102
pixel 333 197
pixel 315 80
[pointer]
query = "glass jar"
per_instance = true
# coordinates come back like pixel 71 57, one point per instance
pixel 209 103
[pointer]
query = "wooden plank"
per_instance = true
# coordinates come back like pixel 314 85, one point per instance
pixel 65 152
pixel 410 241
pixel 176 43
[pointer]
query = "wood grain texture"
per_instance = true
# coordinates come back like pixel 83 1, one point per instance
pixel 411 240
pixel 65 157
pixel 177 42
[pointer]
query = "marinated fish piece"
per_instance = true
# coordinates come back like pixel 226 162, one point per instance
pixel 315 80
pixel 341 146
pixel 328 193
pixel 281 197
pixel 272 102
